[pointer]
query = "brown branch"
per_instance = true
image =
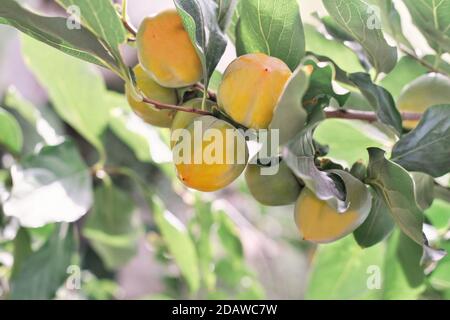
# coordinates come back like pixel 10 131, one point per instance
pixel 164 106
pixel 211 95
pixel 366 115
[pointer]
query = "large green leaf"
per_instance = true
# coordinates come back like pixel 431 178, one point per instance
pixel 289 117
pixel 354 16
pixel 439 214
pixel 395 187
pixel 433 20
pixel 271 27
pixel 53 185
pixel 440 278
pixel 10 133
pixel 112 227
pixel 45 270
pixel 390 20
pixel 200 19
pixel 77 94
pixel 22 250
pixel 180 244
pixel 225 12
pixel 403 275
pixel 80 43
pixel 377 226
pixel 341 270
pixel 380 99
pixel 427 147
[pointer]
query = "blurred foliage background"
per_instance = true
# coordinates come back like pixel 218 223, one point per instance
pixel 146 236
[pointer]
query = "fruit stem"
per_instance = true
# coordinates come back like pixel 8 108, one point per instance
pixel 164 106
pixel 131 29
pixel 366 115
pixel 211 95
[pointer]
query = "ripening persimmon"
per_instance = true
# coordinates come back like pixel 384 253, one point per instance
pixel 211 156
pixel 166 52
pixel 318 222
pixel 422 93
pixel 152 90
pixel 251 87
pixel 278 189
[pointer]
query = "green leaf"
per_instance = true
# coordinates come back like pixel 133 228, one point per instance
pixel 423 189
pixel 101 17
pixel 433 20
pixel 289 117
pixel 341 270
pixel 440 277
pixel 333 29
pixel 321 89
pixel 78 97
pixel 53 185
pixel 427 147
pixel 354 17
pixel 378 225
pixel 406 70
pixel 180 244
pixel 229 236
pixel 338 52
pixel 395 187
pixel 53 31
pixel 22 250
pixel 225 12
pixel 380 100
pixel 390 20
pixel 200 21
pixel 271 27
pixel 10 132
pixel 403 276
pixel 112 227
pixel 46 269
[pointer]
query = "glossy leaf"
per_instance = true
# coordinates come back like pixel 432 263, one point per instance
pixel 200 21
pixel 378 225
pixel 395 187
pixel 10 133
pixel 112 227
pixel 290 116
pixel 427 147
pixel 53 185
pixel 433 20
pixel 380 100
pixel 355 17
pixel 271 27
pixel 80 43
pixel 423 189
pixel 45 270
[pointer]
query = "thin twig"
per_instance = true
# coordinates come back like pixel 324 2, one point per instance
pixel 421 61
pixel 366 115
pixel 211 95
pixel 165 106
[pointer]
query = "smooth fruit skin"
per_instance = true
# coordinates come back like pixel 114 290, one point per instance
pixel 251 87
pixel 424 92
pixel 166 51
pixel 320 223
pixel 184 119
pixel 210 177
pixel 279 189
pixel 152 90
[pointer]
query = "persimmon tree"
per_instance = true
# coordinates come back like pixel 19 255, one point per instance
pixel 362 151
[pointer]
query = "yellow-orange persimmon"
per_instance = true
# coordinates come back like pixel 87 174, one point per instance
pixel 166 51
pixel 213 161
pixel 318 222
pixel 251 87
pixel 151 90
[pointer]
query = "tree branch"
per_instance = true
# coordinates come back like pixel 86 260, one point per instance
pixel 419 60
pixel 366 115
pixel 164 106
